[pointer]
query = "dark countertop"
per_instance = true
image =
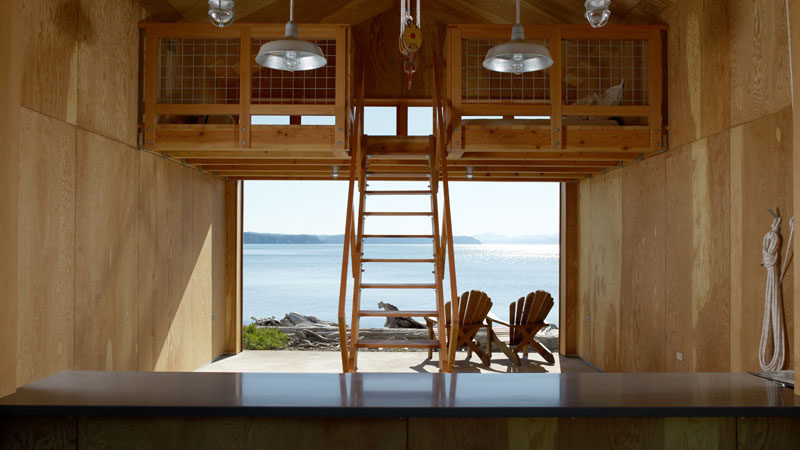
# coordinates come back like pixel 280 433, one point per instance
pixel 402 395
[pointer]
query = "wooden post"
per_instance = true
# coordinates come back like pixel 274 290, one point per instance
pixel 150 89
pixel 556 127
pixel 402 119
pixel 568 271
pixel 234 207
pixel 454 69
pixel 793 9
pixel 341 88
pixel 10 86
pixel 245 123
pixel 656 86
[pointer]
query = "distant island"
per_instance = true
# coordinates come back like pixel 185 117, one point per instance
pixel 272 238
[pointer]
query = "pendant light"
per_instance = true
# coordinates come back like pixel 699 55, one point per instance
pixel 517 55
pixel 220 12
pixel 597 12
pixel 290 53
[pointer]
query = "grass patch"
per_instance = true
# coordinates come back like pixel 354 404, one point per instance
pixel 254 338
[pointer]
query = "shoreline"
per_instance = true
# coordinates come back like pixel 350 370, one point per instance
pixel 307 333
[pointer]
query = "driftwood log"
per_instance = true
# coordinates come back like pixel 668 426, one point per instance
pixel 310 333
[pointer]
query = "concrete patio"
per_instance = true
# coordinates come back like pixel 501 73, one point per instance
pixel 409 362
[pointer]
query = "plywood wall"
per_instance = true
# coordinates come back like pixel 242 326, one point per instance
pixel 10 81
pixel 47 245
pixel 376 41
pixel 116 271
pixel 692 220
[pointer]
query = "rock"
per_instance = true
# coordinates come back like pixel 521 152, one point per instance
pixel 295 319
pixel 269 322
pixel 398 322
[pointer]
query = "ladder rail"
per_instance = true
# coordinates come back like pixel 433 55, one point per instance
pixel 444 359
pixel 441 149
pixel 354 324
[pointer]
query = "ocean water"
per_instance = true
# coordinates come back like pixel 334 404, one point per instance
pixel 283 278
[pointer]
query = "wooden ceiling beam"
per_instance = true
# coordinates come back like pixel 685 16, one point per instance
pixel 160 11
pixel 330 11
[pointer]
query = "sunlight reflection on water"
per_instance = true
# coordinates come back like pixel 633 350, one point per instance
pixel 282 278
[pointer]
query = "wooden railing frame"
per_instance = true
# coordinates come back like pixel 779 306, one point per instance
pixel 456 106
pixel 245 108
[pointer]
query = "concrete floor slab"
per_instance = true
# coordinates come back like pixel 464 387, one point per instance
pixel 331 362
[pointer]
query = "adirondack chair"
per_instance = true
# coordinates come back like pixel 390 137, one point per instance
pixel 473 308
pixel 526 317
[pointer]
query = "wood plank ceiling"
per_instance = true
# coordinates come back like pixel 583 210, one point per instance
pixel 445 11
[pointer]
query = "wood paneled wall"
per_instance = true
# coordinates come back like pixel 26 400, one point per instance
pixel 376 42
pixel 120 258
pixel 10 81
pixel 670 247
pixel 794 43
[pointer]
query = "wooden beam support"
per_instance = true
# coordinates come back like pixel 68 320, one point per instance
pixel 656 87
pixel 556 127
pixel 150 90
pixel 568 271
pixel 245 91
pixel 234 206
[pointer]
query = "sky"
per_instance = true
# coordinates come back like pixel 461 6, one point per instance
pixel 318 207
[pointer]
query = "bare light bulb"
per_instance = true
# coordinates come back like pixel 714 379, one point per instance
pixel 220 12
pixel 291 60
pixel 597 12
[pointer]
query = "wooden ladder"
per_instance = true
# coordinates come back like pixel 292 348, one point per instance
pixel 363 167
pixel 362 264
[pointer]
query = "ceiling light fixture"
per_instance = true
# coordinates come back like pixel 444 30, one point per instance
pixel 470 172
pixel 290 53
pixel 597 12
pixel 517 55
pixel 220 12
pixel 335 172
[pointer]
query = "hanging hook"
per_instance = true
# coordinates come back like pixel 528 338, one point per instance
pixel 769 210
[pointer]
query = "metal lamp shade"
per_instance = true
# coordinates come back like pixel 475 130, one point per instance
pixel 291 54
pixel 517 56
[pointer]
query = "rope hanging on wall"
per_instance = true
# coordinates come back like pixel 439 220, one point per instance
pixel 773 305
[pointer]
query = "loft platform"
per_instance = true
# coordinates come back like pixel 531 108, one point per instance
pixel 605 111
pixel 600 101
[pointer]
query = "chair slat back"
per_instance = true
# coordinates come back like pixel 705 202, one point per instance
pixel 530 309
pixel 473 308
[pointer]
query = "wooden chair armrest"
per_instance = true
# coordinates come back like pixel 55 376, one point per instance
pixel 499 321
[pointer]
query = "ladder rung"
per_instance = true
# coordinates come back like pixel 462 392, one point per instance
pixel 398 213
pixel 420 175
pixel 408 155
pixel 416 343
pixel 398 286
pixel 382 313
pixel 398 192
pixel 398 236
pixel 397 260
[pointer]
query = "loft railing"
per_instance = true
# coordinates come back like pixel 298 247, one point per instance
pixel 197 70
pixel 587 62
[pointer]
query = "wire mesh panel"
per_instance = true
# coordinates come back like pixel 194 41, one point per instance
pixel 308 87
pixel 479 85
pixel 198 71
pixel 605 72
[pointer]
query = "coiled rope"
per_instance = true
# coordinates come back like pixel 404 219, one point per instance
pixel 773 305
